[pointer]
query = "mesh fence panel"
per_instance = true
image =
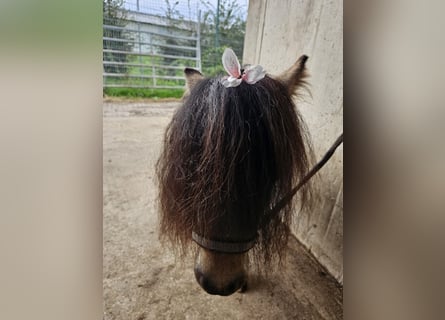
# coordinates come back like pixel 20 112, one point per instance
pixel 147 44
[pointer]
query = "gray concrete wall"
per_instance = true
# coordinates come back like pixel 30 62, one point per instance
pixel 278 32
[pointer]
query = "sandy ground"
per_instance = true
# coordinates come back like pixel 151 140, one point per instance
pixel 142 280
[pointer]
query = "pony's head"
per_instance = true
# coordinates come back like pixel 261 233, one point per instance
pixel 230 154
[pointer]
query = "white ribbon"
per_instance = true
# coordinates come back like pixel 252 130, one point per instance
pixel 251 75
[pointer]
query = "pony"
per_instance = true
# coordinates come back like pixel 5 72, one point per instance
pixel 230 154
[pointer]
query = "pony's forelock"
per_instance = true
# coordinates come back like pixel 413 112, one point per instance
pixel 229 155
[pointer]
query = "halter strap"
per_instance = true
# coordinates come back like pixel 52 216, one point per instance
pixel 222 246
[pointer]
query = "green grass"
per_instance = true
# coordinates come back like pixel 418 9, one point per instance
pixel 143 93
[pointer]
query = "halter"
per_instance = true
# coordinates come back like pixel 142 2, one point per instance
pixel 223 246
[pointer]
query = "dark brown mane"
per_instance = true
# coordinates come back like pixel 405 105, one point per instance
pixel 229 155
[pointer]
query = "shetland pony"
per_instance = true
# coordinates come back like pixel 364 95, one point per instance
pixel 229 155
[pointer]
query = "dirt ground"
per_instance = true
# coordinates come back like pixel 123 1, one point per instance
pixel 142 280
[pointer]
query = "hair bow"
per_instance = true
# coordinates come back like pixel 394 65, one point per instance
pixel 251 74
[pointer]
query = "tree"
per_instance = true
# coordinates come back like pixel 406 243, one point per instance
pixel 115 15
pixel 174 16
pixel 230 33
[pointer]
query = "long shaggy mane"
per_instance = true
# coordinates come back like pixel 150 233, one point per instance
pixel 229 155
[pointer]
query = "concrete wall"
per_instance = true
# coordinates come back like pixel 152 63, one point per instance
pixel 278 32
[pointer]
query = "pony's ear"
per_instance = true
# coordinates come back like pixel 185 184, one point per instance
pixel 192 77
pixel 295 76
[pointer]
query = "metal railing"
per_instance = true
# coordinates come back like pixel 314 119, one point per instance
pixel 148 54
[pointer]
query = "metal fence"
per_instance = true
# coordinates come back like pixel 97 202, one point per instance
pixel 146 51
pixel 147 44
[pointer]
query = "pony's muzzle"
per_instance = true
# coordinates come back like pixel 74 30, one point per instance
pixel 220 273
pixel 211 286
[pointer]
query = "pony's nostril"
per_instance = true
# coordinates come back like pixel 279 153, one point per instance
pixel 199 277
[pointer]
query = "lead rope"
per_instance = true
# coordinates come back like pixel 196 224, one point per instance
pixel 287 198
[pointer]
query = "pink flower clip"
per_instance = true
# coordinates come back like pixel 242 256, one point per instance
pixel 251 75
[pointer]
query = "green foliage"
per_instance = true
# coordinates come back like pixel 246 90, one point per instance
pixel 143 93
pixel 230 33
pixel 147 69
pixel 171 12
pixel 211 61
pixel 174 16
pixel 115 15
